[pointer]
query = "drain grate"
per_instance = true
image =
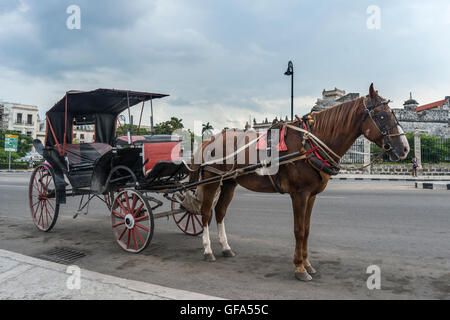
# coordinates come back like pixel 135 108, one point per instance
pixel 62 255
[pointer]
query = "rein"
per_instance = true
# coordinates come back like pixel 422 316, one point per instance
pixel 380 121
pixel 324 148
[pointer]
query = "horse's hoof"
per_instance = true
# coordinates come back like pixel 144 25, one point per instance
pixel 310 270
pixel 303 276
pixel 228 253
pixel 209 257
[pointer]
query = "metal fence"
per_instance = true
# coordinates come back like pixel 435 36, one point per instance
pixel 435 149
pixel 356 152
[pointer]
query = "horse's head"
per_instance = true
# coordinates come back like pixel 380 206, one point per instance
pixel 382 127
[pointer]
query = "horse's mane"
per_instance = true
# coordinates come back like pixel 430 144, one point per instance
pixel 336 118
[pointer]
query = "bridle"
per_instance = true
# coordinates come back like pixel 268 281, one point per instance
pixel 381 120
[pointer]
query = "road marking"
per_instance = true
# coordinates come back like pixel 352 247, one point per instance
pixel 268 195
pixel 13 186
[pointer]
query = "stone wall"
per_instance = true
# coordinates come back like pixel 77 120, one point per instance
pixel 430 121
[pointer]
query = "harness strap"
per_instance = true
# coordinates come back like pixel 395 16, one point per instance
pixel 275 184
pixel 214 170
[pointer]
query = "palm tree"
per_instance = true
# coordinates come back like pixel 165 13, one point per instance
pixel 206 127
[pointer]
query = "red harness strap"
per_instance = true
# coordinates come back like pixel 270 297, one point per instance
pixel 314 149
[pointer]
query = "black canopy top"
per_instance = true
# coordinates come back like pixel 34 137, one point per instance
pixel 99 107
pixel 102 101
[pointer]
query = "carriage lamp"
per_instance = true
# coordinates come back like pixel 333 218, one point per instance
pixel 290 72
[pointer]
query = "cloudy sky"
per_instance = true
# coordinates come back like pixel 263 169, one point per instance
pixel 223 61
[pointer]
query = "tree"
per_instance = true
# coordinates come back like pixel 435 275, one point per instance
pixel 167 127
pixel 206 127
pixel 122 130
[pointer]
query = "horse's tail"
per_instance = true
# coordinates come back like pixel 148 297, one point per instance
pixel 194 173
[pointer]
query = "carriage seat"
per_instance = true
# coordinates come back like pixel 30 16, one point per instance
pixel 83 156
pixel 166 169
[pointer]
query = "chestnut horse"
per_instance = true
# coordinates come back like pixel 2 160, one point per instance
pixel 338 127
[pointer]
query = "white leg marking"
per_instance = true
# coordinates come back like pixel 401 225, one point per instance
pixel 206 241
pixel 223 236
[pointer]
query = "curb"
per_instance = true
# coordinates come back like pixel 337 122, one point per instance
pixel 433 185
pixel 391 179
pixel 24 265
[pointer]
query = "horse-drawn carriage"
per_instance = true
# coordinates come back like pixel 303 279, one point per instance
pixel 128 178
pixel 123 174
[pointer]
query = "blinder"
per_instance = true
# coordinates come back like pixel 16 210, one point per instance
pixel 381 120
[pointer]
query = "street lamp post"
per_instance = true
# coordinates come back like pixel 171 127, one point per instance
pixel 290 72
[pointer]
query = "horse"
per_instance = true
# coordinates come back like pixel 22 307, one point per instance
pixel 338 128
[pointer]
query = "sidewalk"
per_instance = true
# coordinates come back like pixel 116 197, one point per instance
pixel 389 177
pixel 23 277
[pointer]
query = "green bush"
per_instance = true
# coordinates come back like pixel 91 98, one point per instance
pixel 15 166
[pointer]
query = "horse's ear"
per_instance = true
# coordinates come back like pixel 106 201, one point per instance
pixel 372 92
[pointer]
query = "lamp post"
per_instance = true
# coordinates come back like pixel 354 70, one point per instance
pixel 290 72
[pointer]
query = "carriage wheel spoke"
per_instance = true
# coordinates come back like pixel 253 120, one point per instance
pixel 35 186
pixel 37 202
pixel 34 212
pixel 123 232
pixel 118 214
pixel 142 227
pixel 46 213
pixel 133 204
pixel 40 216
pixel 134 240
pixel 141 218
pixel 121 204
pixel 198 220
pixel 51 205
pixel 139 235
pixel 186 227
pixel 47 183
pixel 193 223
pixel 183 217
pixel 138 210
pixel 127 201
pixel 118 224
pixel 128 241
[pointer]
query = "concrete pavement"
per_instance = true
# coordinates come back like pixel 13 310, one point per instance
pixel 355 224
pixel 23 277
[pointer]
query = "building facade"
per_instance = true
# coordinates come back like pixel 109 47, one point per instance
pixel 432 118
pixel 83 134
pixel 20 117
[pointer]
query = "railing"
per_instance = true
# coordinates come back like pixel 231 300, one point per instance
pixel 356 153
pixel 21 122
pixel 435 149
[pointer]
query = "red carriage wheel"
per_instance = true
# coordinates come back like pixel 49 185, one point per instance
pixel 132 220
pixel 189 223
pixel 42 197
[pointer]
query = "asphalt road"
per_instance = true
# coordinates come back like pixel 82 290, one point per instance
pixel 404 231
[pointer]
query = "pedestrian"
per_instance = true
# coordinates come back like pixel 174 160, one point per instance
pixel 414 167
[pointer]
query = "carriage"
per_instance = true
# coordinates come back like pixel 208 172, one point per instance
pixel 125 172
